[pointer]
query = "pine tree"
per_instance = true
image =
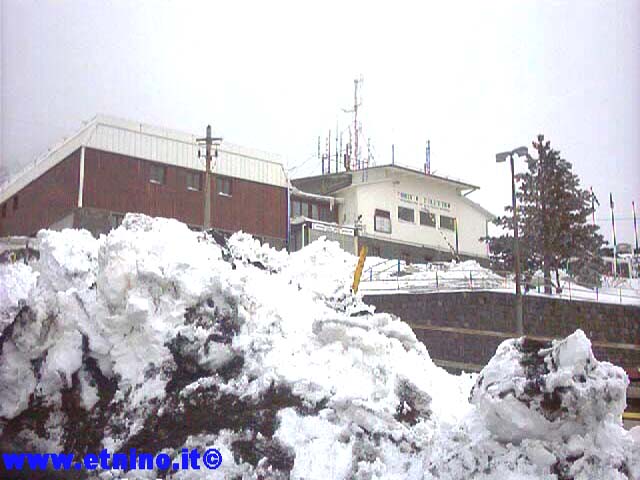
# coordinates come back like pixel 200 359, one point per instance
pixel 553 221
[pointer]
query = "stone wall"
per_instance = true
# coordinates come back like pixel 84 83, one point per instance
pixel 467 327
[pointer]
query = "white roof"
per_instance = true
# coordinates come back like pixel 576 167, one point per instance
pixel 153 143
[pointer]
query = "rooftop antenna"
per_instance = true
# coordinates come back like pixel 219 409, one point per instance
pixel 393 154
pixel 337 151
pixel 320 156
pixel 329 153
pixel 355 160
pixel 340 150
pixel 427 165
pixel 355 123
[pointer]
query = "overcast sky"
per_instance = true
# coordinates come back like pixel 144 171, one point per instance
pixel 473 77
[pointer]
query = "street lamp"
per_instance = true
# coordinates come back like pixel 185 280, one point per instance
pixel 208 141
pixel 502 157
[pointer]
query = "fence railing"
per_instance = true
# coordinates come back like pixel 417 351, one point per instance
pixel 390 275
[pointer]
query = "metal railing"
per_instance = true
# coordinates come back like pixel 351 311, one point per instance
pixel 396 275
pixel 440 280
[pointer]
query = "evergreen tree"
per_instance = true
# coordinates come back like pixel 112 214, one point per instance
pixel 553 221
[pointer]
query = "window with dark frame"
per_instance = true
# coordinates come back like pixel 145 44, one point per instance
pixel 305 209
pixel 448 223
pixel 15 202
pixel 194 181
pixel 314 212
pixel 382 221
pixel 158 174
pixel 427 219
pixel 223 186
pixel 324 213
pixel 296 208
pixel 406 214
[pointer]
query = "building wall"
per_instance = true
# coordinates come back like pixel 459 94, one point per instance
pixel 411 253
pixel 122 184
pixel 384 193
pixel 348 210
pixel 45 200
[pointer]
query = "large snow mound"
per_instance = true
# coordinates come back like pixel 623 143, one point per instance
pixel 157 338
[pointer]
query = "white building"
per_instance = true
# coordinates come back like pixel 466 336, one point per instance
pixel 405 213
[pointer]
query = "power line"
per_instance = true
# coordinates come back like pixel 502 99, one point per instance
pixel 304 162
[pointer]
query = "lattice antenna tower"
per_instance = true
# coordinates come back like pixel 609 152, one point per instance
pixel 355 161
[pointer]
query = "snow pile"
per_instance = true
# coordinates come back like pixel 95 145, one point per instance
pixel 531 392
pixel 157 338
pixel 546 410
pixel 16 281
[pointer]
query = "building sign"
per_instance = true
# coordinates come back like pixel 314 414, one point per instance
pixel 426 203
pixel 321 227
pixel 433 203
pixel 408 197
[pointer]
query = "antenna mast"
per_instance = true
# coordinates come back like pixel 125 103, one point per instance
pixel 356 158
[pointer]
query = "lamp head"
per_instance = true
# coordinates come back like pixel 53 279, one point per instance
pixel 502 156
pixel 521 151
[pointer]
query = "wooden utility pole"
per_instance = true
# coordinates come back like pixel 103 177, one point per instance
pixel 208 142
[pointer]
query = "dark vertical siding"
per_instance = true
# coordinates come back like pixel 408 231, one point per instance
pixel 253 207
pixel 44 201
pixel 121 184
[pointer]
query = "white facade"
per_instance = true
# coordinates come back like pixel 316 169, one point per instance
pixel 387 188
pixel 157 144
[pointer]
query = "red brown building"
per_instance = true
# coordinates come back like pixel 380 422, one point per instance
pixel 113 166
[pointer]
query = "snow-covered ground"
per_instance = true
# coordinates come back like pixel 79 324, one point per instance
pixel 155 337
pixel 380 276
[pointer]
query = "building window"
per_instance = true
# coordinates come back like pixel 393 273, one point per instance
pixel 324 213
pixel 374 251
pixel 15 202
pixel 296 208
pixel 406 214
pixel 224 186
pixel 427 219
pixel 448 223
pixel 314 212
pixel 194 181
pixel 157 174
pixel 382 221
pixel 4 210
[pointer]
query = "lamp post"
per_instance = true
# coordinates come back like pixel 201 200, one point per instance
pixel 208 141
pixel 502 157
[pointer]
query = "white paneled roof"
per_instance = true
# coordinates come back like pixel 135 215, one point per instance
pixel 153 143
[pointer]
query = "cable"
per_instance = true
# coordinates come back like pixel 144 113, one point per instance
pixel 304 162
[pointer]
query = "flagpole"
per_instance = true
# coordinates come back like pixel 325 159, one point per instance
pixel 635 225
pixel 636 252
pixel 593 207
pixel 615 243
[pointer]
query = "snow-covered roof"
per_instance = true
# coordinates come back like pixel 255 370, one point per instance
pixel 459 184
pixel 315 196
pixel 158 144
